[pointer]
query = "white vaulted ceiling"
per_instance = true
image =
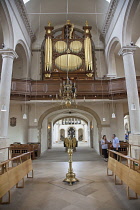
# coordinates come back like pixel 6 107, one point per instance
pixel 78 11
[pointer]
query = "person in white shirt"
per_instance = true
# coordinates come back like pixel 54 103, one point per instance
pixel 104 144
pixel 115 144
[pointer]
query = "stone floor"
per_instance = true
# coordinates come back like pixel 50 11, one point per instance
pixel 47 191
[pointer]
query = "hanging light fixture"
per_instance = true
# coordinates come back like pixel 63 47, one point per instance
pixel 67 92
pixel 35 120
pixel 113 115
pixel 104 119
pixel 25 116
pixel 3 108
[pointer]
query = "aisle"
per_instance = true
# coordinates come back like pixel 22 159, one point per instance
pixel 83 153
pixel 47 191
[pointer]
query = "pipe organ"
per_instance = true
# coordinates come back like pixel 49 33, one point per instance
pixel 68 50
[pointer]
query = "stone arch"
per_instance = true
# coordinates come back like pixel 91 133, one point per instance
pixel 131 30
pixel 21 64
pixel 128 22
pixel 82 109
pixel 115 62
pixel 6 31
pixel 8 37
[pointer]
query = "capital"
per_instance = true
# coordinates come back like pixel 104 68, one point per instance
pixel 128 49
pixel 9 53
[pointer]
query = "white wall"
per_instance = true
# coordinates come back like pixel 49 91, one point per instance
pixel 19 133
pixel 100 63
pixel 27 130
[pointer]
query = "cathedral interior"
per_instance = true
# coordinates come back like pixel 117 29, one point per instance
pixel 69 75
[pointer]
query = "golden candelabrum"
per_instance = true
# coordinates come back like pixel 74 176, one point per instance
pixel 70 176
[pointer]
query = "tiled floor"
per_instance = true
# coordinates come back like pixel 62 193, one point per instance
pixel 47 191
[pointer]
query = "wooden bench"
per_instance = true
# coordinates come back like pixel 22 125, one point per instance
pixel 128 171
pixel 12 172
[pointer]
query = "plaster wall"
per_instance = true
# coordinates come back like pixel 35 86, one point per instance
pixel 27 130
pixel 19 133
pixel 100 63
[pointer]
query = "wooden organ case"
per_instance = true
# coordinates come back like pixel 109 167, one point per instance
pixel 68 49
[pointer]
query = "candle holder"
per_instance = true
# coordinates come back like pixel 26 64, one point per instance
pixel 70 176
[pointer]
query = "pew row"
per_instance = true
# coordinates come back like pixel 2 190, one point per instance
pixel 12 172
pixel 18 149
pixel 127 170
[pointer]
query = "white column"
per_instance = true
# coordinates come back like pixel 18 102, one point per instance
pixel 76 134
pixel 6 76
pixel 120 121
pixel 65 133
pixel 131 86
pixel 86 132
pixel 56 132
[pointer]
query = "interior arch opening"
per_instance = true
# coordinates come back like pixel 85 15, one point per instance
pixel 70 127
pixel 116 68
pixel 20 67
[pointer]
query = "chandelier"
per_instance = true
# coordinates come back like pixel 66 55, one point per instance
pixel 67 92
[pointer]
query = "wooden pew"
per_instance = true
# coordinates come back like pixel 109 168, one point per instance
pixel 12 172
pixel 18 149
pixel 128 171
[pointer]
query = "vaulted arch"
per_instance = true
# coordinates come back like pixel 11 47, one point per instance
pixel 115 62
pixel 21 64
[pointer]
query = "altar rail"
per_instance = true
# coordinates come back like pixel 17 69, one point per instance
pixel 127 169
pixel 12 172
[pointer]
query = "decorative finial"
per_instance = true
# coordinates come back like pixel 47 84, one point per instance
pixel 86 23
pixel 68 22
pixel 49 23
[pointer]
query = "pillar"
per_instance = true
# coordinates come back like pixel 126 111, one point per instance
pixel 132 93
pixel 131 86
pixel 120 121
pixel 6 77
